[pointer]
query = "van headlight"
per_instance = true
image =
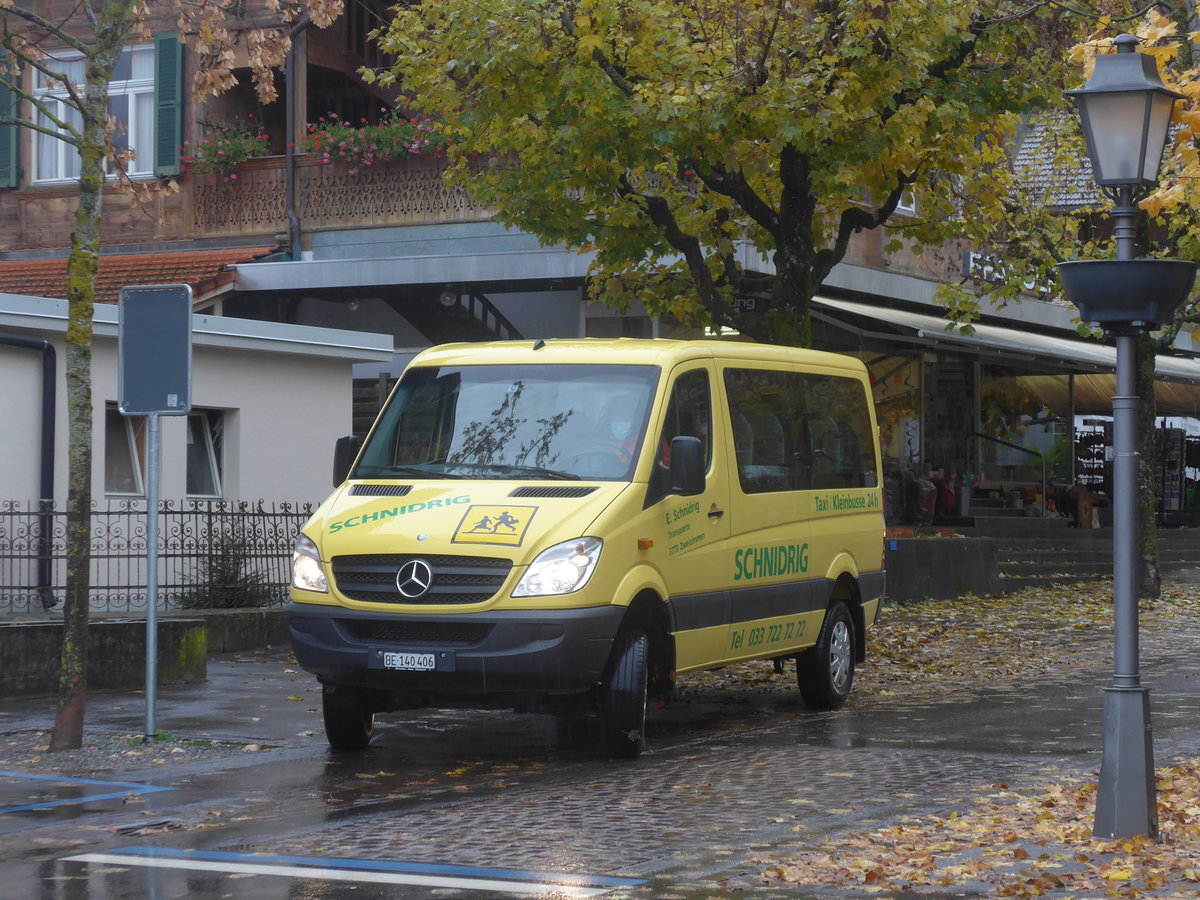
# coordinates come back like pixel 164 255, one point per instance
pixel 561 569
pixel 307 572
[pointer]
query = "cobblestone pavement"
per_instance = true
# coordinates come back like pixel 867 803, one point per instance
pixel 695 811
pixel 730 776
pixel 689 815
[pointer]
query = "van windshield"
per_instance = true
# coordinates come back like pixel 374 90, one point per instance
pixel 578 422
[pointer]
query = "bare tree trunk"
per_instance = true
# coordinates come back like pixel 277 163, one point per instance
pixel 81 290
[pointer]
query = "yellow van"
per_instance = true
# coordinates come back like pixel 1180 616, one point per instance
pixel 566 525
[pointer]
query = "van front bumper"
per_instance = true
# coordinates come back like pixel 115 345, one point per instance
pixel 501 652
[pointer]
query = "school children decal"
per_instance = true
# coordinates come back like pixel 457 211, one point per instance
pixel 503 525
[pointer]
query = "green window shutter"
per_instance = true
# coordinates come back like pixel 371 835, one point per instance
pixel 10 174
pixel 168 103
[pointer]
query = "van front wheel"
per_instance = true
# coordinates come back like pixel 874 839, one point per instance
pixel 349 722
pixel 623 703
pixel 825 672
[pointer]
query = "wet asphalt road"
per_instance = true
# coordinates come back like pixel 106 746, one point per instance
pixel 477 804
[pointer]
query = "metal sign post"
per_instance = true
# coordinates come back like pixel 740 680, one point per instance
pixel 154 378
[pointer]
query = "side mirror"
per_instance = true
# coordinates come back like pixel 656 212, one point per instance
pixel 344 452
pixel 687 465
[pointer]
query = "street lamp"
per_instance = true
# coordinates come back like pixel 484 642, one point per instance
pixel 1125 111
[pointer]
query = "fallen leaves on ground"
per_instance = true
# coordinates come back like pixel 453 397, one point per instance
pixel 1011 843
pixel 1018 844
pixel 104 751
pixel 973 643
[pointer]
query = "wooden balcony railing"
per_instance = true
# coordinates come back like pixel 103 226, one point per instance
pixel 402 192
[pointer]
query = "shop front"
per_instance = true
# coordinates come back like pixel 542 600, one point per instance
pixel 1006 422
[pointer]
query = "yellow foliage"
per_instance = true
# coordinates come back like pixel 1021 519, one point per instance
pixel 1155 27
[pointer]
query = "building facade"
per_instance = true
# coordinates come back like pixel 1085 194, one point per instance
pixel 295 236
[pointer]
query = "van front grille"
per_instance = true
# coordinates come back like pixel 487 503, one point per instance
pixel 408 634
pixel 371 578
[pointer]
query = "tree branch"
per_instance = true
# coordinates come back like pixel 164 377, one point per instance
pixel 735 186
pixel 33 18
pixel 614 72
pixel 659 213
pixel 856 219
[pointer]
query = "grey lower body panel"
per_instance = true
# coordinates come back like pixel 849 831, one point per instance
pixel 468 656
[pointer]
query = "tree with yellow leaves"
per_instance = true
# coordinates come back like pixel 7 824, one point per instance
pixel 69 50
pixel 709 152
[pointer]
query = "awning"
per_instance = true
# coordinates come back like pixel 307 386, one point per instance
pixel 546 264
pixel 1093 394
pixel 996 341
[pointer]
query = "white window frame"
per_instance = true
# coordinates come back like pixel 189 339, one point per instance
pixel 66 159
pixel 208 449
pixel 133 443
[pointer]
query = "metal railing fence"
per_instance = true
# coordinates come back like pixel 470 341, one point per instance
pixel 212 554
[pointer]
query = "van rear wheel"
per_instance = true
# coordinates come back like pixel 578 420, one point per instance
pixel 825 672
pixel 349 721
pixel 623 702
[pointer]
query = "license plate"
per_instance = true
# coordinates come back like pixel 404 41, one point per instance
pixel 409 662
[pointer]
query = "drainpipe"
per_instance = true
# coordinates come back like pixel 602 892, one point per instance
pixel 290 143
pixel 45 587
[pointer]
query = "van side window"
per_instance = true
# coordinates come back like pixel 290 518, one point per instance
pixel 689 412
pixel 796 431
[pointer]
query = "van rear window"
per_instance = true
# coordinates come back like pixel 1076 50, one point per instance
pixel 799 431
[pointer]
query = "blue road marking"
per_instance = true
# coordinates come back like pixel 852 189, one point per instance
pixel 126 789
pixel 396 872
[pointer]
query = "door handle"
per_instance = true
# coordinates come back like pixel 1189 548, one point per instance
pixel 716 512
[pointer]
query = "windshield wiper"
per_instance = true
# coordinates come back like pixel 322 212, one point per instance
pixel 511 469
pixel 538 471
pixel 418 471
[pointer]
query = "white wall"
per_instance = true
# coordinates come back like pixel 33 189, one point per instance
pixel 286 390
pixel 282 415
pixel 20 421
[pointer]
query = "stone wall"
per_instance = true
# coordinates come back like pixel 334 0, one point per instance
pixel 30 653
pixel 30 650
pixel 933 568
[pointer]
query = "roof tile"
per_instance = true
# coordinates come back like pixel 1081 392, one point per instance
pixel 204 270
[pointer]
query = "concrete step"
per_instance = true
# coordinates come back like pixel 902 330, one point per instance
pixel 1054 557
pixel 1056 569
pixel 1020 582
pixel 996 512
pixel 1019 526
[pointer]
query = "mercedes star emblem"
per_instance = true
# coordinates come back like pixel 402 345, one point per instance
pixel 414 578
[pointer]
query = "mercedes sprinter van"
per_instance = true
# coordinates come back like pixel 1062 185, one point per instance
pixel 567 525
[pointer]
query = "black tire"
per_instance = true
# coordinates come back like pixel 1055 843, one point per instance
pixel 825 672
pixel 349 721
pixel 624 699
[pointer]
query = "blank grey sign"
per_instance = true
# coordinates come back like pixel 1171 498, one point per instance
pixel 154 367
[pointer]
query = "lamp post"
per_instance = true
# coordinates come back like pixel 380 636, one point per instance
pixel 1125 111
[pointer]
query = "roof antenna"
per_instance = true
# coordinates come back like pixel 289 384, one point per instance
pixel 539 344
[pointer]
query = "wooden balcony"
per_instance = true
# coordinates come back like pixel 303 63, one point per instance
pixel 403 192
